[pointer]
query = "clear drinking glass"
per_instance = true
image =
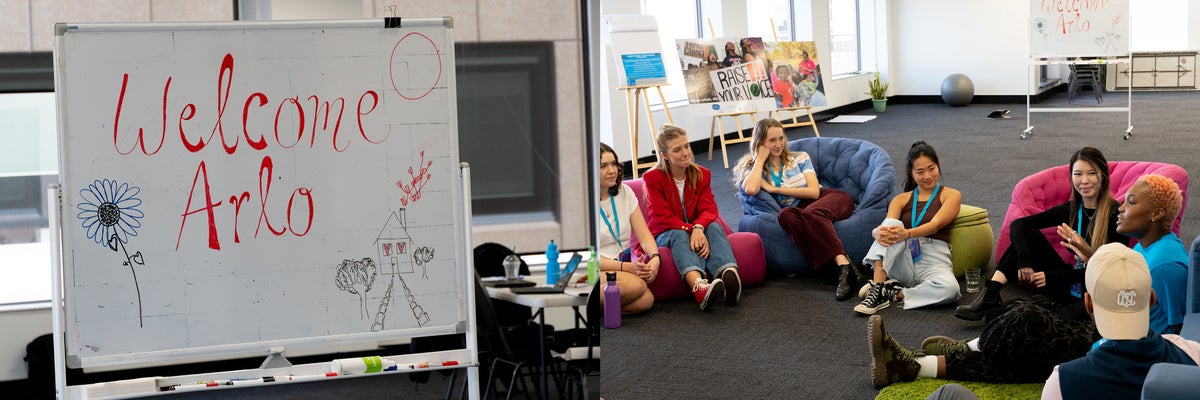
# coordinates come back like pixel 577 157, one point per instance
pixel 973 280
pixel 512 266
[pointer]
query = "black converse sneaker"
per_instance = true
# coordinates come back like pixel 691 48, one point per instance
pixel 879 296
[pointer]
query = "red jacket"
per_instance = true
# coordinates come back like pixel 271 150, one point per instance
pixel 662 198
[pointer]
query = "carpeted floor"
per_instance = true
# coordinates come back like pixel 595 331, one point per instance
pixel 790 338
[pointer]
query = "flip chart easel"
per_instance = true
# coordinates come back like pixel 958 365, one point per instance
pixel 635 96
pixel 338 137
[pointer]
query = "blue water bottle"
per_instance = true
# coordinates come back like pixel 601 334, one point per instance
pixel 552 263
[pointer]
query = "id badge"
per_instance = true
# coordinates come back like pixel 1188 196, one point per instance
pixel 914 246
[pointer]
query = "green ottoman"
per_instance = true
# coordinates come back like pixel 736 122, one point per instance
pixel 971 239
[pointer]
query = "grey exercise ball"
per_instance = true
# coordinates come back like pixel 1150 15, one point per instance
pixel 957 90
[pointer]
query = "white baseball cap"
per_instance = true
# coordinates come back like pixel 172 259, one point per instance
pixel 1118 281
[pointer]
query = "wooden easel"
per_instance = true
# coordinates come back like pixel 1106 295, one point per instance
pixel 795 122
pixel 634 96
pixel 718 126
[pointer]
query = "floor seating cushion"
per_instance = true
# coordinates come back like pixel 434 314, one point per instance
pixel 858 167
pixel 970 239
pixel 747 250
pixel 1052 186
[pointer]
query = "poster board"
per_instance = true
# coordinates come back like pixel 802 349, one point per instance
pixel 637 50
pixel 741 74
pixel 232 187
pixel 1078 28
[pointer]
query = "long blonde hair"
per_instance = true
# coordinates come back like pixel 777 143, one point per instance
pixel 757 138
pixel 665 135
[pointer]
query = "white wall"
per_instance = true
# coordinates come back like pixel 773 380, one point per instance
pixel 935 38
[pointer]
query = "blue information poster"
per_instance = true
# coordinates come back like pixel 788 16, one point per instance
pixel 644 68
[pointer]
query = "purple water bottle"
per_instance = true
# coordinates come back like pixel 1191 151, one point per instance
pixel 612 302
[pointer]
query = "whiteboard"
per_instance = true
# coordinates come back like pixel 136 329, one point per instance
pixel 232 187
pixel 1076 28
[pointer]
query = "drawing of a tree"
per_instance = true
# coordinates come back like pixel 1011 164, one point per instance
pixel 357 276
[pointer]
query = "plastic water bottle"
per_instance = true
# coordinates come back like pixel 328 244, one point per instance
pixel 612 302
pixel 593 265
pixel 552 263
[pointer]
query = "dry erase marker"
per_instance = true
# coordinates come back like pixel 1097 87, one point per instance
pixel 449 363
pixel 295 378
pixel 192 386
pixel 254 381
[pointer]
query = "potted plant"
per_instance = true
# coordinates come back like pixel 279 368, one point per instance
pixel 878 92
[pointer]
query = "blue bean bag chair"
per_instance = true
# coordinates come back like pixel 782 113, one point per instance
pixel 855 166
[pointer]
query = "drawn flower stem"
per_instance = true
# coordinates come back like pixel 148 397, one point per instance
pixel 136 258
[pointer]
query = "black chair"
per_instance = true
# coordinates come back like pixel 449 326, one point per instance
pixel 495 345
pixel 583 358
pixel 1085 74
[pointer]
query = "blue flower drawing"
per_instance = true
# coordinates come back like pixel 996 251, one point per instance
pixel 108 209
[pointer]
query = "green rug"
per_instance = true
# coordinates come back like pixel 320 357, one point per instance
pixel 923 387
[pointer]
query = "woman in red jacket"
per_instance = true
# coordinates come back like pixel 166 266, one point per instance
pixel 683 217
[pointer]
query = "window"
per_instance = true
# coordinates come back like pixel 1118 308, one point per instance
pixel 844 40
pixel 761 14
pixel 28 163
pixel 506 123
pixel 677 19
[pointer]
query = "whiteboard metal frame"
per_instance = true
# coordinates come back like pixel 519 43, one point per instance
pixel 467 358
pixel 1032 61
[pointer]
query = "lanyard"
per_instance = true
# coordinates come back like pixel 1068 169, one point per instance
pixel 777 179
pixel 615 234
pixel 1079 221
pixel 916 191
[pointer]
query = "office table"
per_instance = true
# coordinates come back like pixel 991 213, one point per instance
pixel 573 297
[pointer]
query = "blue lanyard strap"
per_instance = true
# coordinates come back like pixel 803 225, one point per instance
pixel 777 179
pixel 682 202
pixel 1079 221
pixel 916 192
pixel 615 234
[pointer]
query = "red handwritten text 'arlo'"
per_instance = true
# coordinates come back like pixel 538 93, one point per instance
pixel 310 111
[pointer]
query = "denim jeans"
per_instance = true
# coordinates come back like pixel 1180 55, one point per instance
pixel 720 255
pixel 928 281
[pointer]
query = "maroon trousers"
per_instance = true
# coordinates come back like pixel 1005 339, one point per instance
pixel 810 225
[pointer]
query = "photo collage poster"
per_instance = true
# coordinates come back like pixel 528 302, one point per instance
pixel 732 74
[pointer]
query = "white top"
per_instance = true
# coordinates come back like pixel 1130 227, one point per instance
pixel 621 230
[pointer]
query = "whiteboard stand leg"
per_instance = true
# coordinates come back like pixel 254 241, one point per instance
pixel 473 382
pixel 1027 133
pixel 275 359
pixel 469 282
pixel 1129 132
pixel 54 208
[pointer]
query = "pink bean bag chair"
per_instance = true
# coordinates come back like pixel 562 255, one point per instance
pixel 747 250
pixel 1052 186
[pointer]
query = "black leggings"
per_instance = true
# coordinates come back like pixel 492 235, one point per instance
pixel 1044 259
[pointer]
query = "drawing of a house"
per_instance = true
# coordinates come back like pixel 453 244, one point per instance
pixel 394 246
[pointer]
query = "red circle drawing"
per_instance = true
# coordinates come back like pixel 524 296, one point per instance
pixel 391 63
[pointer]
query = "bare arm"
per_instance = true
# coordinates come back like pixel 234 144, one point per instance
pixel 951 202
pixel 809 192
pixel 754 181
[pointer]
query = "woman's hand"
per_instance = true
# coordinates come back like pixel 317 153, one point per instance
pixel 761 155
pixel 653 265
pixel 889 235
pixel 1025 275
pixel 1075 243
pixel 700 243
pixel 1038 279
pixel 641 269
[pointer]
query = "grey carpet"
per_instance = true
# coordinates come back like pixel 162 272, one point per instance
pixel 790 339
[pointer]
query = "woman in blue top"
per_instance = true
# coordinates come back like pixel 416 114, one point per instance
pixel 1151 205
